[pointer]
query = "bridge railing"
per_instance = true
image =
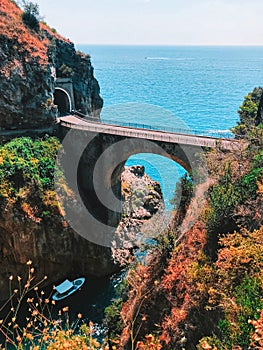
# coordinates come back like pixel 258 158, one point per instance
pixel 185 131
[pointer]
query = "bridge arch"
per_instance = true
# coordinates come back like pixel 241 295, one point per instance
pixel 93 163
pixel 63 101
pixel 108 165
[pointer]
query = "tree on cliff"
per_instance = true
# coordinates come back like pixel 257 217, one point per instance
pixel 30 15
pixel 250 113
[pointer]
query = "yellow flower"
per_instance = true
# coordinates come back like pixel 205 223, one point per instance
pixel 149 337
pixel 11 278
pixel 18 338
pixel 29 336
pixel 29 262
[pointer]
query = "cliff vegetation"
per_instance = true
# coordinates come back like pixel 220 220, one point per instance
pixel 204 289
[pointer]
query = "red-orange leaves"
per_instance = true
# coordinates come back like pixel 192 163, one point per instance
pixel 241 252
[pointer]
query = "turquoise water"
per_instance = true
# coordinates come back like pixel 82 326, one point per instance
pixel 199 88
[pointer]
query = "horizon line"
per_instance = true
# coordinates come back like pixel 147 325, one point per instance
pixel 174 45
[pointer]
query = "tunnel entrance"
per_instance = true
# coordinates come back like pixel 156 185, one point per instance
pixel 63 101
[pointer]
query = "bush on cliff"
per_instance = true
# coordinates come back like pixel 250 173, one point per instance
pixel 30 16
pixel 250 113
pixel 27 169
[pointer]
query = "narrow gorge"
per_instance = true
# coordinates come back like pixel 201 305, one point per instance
pixel 42 76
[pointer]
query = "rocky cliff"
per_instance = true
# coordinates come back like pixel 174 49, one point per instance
pixel 33 225
pixel 143 211
pixel 39 71
pixel 26 232
pixel 31 63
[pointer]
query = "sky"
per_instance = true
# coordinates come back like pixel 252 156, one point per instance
pixel 156 22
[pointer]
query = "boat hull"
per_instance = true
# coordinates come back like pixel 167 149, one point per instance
pixel 77 284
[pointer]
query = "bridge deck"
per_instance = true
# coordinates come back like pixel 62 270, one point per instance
pixel 74 122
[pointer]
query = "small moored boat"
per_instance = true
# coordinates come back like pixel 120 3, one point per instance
pixel 67 288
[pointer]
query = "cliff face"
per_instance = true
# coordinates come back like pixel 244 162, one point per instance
pixel 55 249
pixel 143 209
pixel 53 246
pixel 30 62
pixel 33 225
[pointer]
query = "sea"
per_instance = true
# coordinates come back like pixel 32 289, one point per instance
pixel 197 89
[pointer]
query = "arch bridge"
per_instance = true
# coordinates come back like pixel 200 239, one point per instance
pixel 174 142
pixel 97 151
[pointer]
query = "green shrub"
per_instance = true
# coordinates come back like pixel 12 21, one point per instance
pixel 183 192
pixel 30 16
pixel 250 114
pixel 250 180
pixel 249 299
pixel 25 164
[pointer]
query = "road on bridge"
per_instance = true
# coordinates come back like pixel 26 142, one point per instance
pixel 75 122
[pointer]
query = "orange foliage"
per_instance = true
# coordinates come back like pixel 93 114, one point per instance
pixel 138 282
pixel 151 343
pixel 12 26
pixel 257 337
pixel 143 282
pixel 31 212
pixel 177 281
pixel 35 45
pixel 241 252
pixel 175 287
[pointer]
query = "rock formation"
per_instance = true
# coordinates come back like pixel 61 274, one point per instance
pixel 30 63
pixel 143 212
pixel 53 246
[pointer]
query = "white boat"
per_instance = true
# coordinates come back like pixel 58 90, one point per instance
pixel 67 288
